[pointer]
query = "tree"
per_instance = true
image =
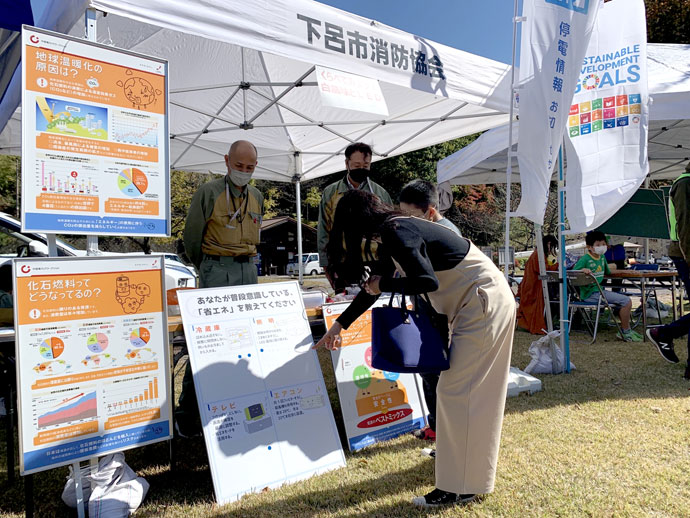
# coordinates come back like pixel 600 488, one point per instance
pixel 477 213
pixel 9 168
pixel 393 173
pixel 272 197
pixel 312 201
pixel 668 21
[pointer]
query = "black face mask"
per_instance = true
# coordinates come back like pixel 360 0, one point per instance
pixel 358 175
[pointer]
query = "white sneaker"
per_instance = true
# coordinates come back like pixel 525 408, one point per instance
pixel 428 452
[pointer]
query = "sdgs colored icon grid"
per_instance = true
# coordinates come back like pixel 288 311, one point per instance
pixel 604 113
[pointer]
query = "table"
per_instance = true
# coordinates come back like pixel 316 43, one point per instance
pixel 642 276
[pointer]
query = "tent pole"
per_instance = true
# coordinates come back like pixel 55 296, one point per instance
pixel 509 169
pixel 646 239
pixel 298 196
pixel 565 337
pixel 90 23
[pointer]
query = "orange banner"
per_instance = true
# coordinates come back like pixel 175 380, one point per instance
pixel 62 434
pixel 63 143
pixel 135 417
pixel 94 375
pixel 63 74
pixel 123 206
pixel 53 298
pixel 74 202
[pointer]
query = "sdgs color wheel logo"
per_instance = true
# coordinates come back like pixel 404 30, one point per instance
pixel 590 82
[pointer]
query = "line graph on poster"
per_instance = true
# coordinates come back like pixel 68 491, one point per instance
pixel 62 407
pixel 134 128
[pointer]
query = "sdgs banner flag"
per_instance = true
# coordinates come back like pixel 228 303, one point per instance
pixel 607 123
pixel 553 45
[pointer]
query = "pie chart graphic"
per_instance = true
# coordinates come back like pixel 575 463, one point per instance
pixel 140 337
pixel 97 342
pixel 51 348
pixel 132 182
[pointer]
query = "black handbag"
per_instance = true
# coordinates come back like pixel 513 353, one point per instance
pixel 404 340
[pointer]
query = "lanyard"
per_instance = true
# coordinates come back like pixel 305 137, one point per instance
pixel 237 214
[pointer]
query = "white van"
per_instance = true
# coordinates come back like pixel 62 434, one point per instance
pixel 310 265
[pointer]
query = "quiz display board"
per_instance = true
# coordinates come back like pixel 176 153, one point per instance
pixel 92 357
pixel 264 407
pixel 94 138
pixel 376 405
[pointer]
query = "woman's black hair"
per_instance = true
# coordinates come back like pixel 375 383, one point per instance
pixel 547 240
pixel 359 217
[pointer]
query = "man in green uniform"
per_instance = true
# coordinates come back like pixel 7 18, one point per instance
pixel 358 165
pixel 221 233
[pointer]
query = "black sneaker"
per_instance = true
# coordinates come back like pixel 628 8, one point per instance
pixel 664 346
pixel 439 497
pixel 184 432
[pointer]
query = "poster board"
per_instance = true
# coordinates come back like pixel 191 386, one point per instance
pixel 644 215
pixel 264 408
pixel 94 138
pixel 376 405
pixel 92 357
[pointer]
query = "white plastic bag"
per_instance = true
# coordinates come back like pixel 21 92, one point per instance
pixel 113 491
pixel 540 352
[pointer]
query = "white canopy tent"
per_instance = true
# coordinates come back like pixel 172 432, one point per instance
pixel 247 70
pixel 484 161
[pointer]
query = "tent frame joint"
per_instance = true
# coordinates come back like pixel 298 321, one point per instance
pixel 245 126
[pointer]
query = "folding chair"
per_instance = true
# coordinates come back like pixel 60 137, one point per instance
pixel 553 286
pixel 576 279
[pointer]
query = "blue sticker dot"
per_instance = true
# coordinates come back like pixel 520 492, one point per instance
pixel 391 376
pixel 269 447
pixel 249 355
pixel 261 350
pixel 239 356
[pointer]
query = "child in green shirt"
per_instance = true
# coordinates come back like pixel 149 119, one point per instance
pixel 594 262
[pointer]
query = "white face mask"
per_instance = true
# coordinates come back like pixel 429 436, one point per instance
pixel 600 250
pixel 240 178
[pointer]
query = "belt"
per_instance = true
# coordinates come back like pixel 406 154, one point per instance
pixel 228 258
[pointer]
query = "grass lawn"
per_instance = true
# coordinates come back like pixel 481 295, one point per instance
pixel 609 439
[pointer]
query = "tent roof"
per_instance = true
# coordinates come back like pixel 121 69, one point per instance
pixel 485 160
pixel 246 70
